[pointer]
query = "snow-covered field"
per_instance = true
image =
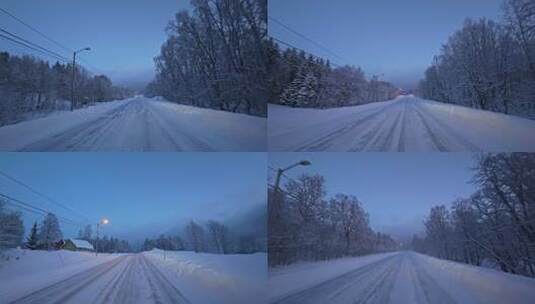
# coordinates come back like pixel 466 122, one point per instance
pixel 180 277
pixel 403 124
pixel 137 124
pixel 401 277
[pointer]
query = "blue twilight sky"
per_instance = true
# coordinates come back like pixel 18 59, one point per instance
pixel 394 38
pixel 142 194
pixel 396 189
pixel 125 35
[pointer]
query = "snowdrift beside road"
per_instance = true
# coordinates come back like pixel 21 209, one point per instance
pixel 403 124
pixel 215 278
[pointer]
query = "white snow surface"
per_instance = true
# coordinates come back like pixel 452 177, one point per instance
pixel 82 244
pixel 404 124
pixel 81 277
pixel 401 277
pixel 137 124
pixel 215 278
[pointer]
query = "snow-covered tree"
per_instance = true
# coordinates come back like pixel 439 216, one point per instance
pixel 216 57
pixel 28 84
pixel 496 223
pixel 49 231
pixel 305 225
pixel 196 236
pixel 11 228
pixel 487 64
pixel 32 241
pixel 219 236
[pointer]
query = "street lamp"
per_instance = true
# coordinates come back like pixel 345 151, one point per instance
pixel 73 73
pixel 281 171
pixel 103 221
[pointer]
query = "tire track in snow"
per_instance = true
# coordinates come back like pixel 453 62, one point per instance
pixel 432 291
pixel 446 131
pixel 322 143
pixel 342 288
pixel 67 288
pixel 161 286
pixel 383 138
pixel 84 133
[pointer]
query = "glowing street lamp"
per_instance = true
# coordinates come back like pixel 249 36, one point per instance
pixel 103 221
pixel 74 74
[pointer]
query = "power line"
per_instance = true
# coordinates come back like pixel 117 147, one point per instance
pixel 36 31
pixel 69 50
pixel 31 47
pixel 37 210
pixel 33 44
pixel 300 49
pixel 306 38
pixel 28 187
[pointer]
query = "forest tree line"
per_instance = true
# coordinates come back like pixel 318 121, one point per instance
pixel 488 65
pixel 494 225
pixel 213 237
pixel 305 225
pixel 29 85
pixel 47 234
pixel 301 80
pixel 215 57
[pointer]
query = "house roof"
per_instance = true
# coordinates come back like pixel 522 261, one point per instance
pixel 82 244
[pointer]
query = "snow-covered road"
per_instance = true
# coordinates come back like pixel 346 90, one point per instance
pixel 404 277
pixel 137 124
pixel 38 276
pixel 403 124
pixel 125 279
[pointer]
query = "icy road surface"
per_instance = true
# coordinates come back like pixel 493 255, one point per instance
pixel 137 124
pixel 125 279
pixel 404 277
pixel 404 124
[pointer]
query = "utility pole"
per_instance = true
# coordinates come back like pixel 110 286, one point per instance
pixel 281 171
pixel 275 205
pixel 96 244
pixel 103 221
pixel 74 75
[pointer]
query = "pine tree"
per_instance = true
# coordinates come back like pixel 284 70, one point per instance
pixel 50 231
pixel 32 240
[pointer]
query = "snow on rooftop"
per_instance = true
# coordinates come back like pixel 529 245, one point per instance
pixel 82 244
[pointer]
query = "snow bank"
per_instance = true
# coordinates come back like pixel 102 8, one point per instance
pixel 23 271
pixel 471 284
pixel 293 278
pixel 215 278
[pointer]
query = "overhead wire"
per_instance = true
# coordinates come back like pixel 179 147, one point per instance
pixel 46 197
pixel 37 210
pixel 288 28
pixel 56 55
pixel 36 30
